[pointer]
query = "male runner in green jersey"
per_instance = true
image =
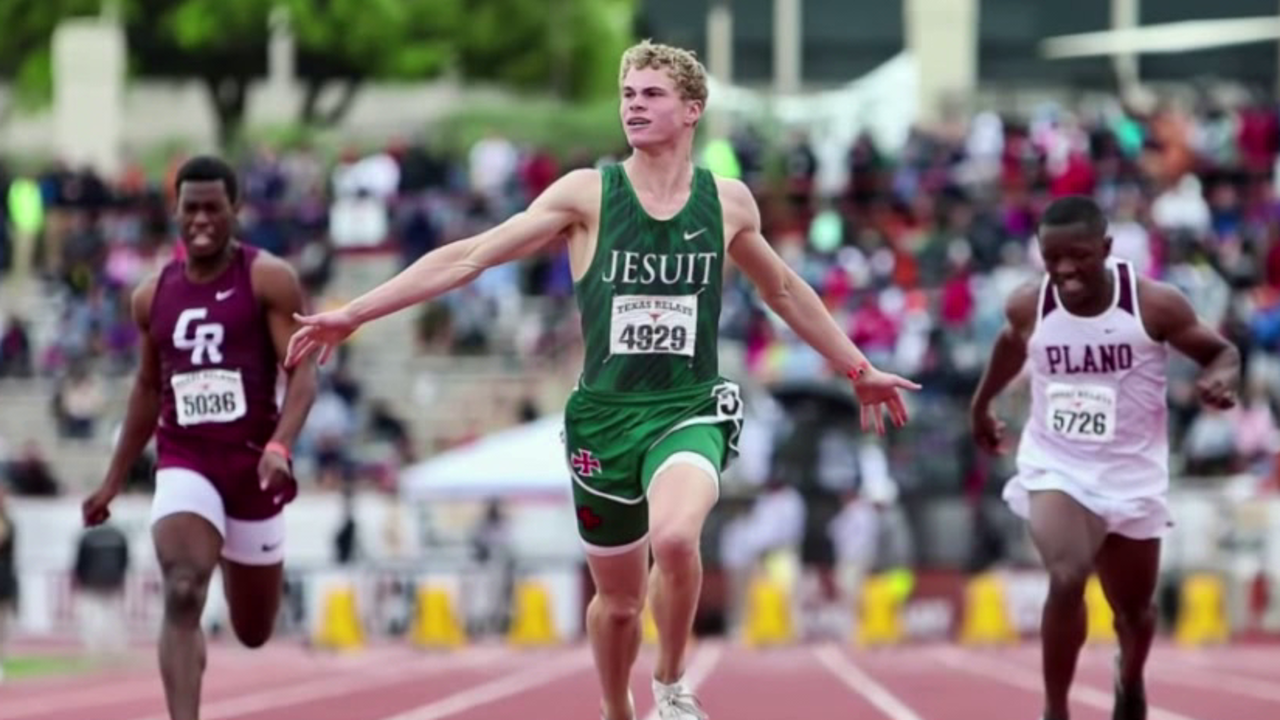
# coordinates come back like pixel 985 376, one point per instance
pixel 651 423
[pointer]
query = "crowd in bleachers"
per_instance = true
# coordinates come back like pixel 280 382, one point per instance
pixel 912 250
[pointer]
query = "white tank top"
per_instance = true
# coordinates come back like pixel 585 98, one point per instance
pixel 1098 402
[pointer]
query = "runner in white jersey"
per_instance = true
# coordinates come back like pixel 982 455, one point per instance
pixel 1093 460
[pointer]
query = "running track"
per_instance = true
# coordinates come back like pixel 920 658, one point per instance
pixel 817 682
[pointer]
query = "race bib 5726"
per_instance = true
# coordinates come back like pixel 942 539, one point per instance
pixel 209 396
pixel 653 325
pixel 1083 413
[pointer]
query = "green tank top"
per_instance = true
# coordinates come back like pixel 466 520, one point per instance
pixel 650 301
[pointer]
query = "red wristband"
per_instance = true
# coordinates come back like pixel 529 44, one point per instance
pixel 859 370
pixel 279 449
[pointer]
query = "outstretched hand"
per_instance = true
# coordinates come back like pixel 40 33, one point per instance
pixel 878 391
pixel 324 332
pixel 96 508
pixel 988 431
pixel 1217 388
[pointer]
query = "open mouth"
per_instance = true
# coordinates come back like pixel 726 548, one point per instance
pixel 637 123
pixel 201 240
pixel 1071 286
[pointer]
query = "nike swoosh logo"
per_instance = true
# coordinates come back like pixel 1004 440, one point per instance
pixel 269 548
pixel 224 294
pixel 691 235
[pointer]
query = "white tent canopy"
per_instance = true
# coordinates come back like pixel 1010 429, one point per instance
pixel 522 461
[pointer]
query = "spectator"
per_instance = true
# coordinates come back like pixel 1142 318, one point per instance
pixel 29 474
pixel 80 401
pixel 495 571
pixel 102 562
pixel 8 579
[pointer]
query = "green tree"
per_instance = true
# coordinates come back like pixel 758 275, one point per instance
pixel 343 42
pixel 28 27
pixel 350 41
pixel 220 42
pixel 568 46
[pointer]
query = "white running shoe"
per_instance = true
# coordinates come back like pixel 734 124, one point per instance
pixel 676 702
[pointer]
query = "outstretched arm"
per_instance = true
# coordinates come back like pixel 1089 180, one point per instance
pixel 453 265
pixel 278 289
pixel 141 415
pixel 1008 355
pixel 788 295
pixel 785 292
pixel 281 293
pixel 1171 318
pixel 458 263
pixel 144 400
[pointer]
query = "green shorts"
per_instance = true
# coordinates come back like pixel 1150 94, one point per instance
pixel 615 444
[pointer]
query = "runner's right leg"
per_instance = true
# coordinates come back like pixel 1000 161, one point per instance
pixel 1068 537
pixel 613 623
pixel 188 547
pixel 188 521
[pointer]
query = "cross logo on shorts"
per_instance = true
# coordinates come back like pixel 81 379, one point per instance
pixel 584 463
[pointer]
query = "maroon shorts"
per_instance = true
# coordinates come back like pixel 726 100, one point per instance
pixel 233 470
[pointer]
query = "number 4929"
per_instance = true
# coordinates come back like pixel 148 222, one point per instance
pixel 656 338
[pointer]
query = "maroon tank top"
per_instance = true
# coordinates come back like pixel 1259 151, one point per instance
pixel 218 365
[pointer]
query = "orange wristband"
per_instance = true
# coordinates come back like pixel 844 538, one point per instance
pixel 279 449
pixel 859 370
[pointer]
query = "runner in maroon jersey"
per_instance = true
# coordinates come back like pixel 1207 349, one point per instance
pixel 213 329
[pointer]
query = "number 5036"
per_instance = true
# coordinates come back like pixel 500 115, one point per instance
pixel 209 404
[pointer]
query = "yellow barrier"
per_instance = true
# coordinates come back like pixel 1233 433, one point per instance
pixel 986 613
pixel 649 629
pixel 339 621
pixel 1101 621
pixel 531 622
pixel 768 614
pixel 436 624
pixel 880 612
pixel 1202 617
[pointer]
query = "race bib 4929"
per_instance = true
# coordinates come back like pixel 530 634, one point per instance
pixel 653 325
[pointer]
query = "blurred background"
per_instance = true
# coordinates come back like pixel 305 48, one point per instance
pixel 900 150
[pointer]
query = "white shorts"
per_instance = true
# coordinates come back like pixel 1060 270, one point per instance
pixel 1140 518
pixel 247 542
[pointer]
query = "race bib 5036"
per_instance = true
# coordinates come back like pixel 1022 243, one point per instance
pixel 209 396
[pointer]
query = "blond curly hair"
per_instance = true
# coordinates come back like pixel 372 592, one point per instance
pixel 682 65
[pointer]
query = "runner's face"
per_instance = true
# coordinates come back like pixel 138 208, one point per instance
pixel 1075 258
pixel 205 215
pixel 653 112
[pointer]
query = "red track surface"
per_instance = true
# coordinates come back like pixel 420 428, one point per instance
pixel 820 682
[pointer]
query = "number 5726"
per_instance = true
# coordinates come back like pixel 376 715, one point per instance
pixel 1079 423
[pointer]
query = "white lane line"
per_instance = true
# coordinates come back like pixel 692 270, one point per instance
pixel 864 685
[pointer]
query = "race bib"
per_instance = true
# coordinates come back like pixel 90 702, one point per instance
pixel 209 396
pixel 1083 413
pixel 654 325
